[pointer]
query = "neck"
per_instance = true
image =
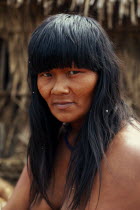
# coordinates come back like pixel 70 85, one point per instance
pixel 76 125
pixel 75 130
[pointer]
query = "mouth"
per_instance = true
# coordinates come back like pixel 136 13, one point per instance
pixel 63 105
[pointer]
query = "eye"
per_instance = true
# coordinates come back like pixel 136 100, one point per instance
pixel 73 72
pixel 47 74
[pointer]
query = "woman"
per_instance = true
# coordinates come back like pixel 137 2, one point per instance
pixel 84 150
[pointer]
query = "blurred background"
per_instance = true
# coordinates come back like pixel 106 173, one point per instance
pixel 18 18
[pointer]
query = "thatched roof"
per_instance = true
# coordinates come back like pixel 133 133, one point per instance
pixel 103 9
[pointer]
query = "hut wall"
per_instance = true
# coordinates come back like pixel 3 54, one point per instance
pixel 127 45
pixel 16 25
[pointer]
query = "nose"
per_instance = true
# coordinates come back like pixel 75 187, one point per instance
pixel 60 87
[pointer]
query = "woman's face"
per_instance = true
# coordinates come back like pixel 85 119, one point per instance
pixel 68 92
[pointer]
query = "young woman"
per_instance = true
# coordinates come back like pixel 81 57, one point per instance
pixel 84 150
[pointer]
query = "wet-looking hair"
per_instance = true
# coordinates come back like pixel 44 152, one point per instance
pixel 61 41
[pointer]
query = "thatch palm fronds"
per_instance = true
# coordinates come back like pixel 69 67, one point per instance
pixel 103 8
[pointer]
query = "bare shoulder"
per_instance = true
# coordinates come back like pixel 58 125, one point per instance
pixel 20 196
pixel 120 185
pixel 125 147
pixel 129 136
pixel 123 154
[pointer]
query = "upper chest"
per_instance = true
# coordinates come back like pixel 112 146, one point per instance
pixel 114 193
pixel 56 190
pixel 120 186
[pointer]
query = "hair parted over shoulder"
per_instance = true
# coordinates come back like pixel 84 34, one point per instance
pixel 61 41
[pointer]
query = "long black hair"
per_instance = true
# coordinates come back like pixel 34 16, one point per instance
pixel 58 42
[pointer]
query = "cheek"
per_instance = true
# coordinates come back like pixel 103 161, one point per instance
pixel 88 86
pixel 43 90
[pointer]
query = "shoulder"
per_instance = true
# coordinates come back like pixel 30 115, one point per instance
pixel 123 154
pixel 21 191
pixel 124 150
pixel 120 172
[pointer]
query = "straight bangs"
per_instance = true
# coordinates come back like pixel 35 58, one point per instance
pixel 64 42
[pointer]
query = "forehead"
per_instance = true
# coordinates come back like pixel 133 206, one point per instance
pixel 60 46
pixel 72 68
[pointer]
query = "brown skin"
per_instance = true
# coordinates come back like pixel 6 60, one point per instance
pixel 120 178
pixel 120 169
pixel 120 173
pixel 20 198
pixel 75 86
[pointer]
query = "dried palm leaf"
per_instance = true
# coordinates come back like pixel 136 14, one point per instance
pixel 100 10
pixel 10 2
pixel 132 13
pixel 86 7
pixel 92 2
pixel 110 8
pixel 47 5
pixel 18 3
pixel 138 8
pixel 100 4
pixel 122 10
pixel 80 2
pixel 39 1
pixel 60 2
pixel 73 5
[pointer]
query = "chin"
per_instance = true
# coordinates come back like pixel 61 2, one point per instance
pixel 64 120
pixel 68 119
pixel 68 116
pixel 63 117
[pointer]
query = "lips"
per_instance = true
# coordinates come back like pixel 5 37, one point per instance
pixel 62 105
